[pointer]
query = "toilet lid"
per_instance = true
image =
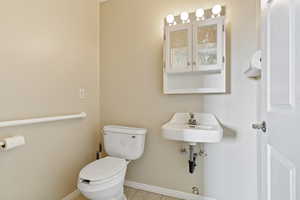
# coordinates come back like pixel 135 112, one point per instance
pixel 102 169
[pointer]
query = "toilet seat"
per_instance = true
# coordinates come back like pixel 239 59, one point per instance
pixel 103 170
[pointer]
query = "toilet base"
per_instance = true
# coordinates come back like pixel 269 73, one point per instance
pixel 122 198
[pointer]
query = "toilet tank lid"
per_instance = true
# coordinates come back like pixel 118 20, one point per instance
pixel 125 130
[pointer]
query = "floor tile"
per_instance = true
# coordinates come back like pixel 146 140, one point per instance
pixel 133 194
pixel 81 198
pixel 168 198
pixel 139 195
pixel 129 192
pixel 152 196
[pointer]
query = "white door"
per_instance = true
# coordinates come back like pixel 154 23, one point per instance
pixel 280 145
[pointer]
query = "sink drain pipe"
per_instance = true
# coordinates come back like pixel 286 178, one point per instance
pixel 192 160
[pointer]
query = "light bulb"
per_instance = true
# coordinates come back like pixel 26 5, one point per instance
pixel 200 13
pixel 170 19
pixel 216 10
pixel 184 16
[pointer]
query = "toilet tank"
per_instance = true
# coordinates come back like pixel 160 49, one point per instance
pixel 124 142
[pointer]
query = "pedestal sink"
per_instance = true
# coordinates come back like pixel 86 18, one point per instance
pixel 205 129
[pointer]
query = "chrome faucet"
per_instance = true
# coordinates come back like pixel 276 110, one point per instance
pixel 192 120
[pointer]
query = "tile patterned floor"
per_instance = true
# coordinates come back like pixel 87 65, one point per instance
pixel 133 194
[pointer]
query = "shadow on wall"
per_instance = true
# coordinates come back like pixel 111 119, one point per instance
pixel 229 133
pixel 228 58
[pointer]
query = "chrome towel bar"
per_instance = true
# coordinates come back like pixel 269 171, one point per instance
pixel 41 120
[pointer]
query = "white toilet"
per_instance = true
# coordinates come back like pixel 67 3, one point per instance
pixel 104 179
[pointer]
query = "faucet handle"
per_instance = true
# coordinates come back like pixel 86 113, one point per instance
pixel 191 115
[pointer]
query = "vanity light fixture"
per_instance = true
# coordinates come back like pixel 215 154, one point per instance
pixel 171 20
pixel 216 11
pixel 184 16
pixel 200 14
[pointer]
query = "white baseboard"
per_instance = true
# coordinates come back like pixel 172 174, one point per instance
pixel 151 188
pixel 72 195
pixel 166 192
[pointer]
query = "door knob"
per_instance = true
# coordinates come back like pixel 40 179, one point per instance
pixel 260 126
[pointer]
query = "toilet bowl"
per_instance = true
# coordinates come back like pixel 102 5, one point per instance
pixel 104 179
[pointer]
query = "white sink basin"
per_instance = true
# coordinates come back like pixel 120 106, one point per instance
pixel 207 130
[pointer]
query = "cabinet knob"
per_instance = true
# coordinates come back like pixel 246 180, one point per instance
pixel 194 63
pixel 188 63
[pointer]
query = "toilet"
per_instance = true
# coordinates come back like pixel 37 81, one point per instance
pixel 103 179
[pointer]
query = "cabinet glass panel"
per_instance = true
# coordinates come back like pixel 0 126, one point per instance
pixel 179 48
pixel 207 45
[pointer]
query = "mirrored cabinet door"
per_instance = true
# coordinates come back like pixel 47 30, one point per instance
pixel 179 48
pixel 208 45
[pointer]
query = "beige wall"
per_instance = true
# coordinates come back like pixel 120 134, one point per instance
pixel 131 94
pixel 48 51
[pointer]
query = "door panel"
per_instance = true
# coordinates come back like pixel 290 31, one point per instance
pixel 281 177
pixel 280 50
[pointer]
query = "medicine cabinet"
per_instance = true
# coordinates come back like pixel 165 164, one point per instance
pixel 194 57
